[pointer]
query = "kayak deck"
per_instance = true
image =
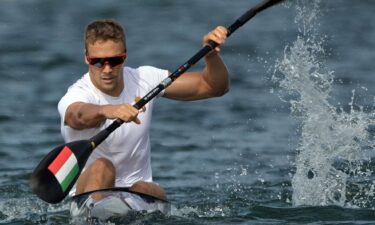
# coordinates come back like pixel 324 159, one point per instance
pixel 116 202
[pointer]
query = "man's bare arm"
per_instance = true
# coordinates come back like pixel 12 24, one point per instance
pixel 81 115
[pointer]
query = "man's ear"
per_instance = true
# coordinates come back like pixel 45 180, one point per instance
pixel 87 62
pixel 85 55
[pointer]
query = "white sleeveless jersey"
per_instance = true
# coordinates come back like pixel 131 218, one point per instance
pixel 128 147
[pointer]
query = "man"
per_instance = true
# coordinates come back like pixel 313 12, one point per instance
pixel 108 91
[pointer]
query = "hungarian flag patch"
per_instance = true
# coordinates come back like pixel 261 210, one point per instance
pixel 64 167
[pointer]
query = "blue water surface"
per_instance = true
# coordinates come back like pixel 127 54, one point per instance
pixel 228 160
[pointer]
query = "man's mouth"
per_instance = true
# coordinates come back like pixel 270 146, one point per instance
pixel 107 79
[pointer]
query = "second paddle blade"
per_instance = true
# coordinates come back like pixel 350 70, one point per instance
pixel 56 174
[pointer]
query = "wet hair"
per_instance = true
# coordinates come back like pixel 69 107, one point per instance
pixel 104 30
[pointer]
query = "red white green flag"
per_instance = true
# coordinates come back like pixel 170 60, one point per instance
pixel 64 167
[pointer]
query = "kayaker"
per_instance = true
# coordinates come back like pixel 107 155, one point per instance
pixel 107 92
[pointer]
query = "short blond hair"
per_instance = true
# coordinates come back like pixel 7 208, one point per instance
pixel 103 30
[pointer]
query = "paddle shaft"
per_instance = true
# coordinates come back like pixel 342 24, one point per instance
pixel 102 135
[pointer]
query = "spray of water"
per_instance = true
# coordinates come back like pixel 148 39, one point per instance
pixel 333 162
pixel 28 209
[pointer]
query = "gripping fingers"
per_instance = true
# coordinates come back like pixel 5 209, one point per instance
pixel 218 35
pixel 128 113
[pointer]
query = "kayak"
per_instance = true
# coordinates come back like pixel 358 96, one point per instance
pixel 115 203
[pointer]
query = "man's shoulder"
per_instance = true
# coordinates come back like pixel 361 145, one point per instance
pixel 82 83
pixel 146 69
pixel 82 87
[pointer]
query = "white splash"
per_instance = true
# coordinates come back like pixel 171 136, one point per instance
pixel 335 146
pixel 30 209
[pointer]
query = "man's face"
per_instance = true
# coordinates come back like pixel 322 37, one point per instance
pixel 108 79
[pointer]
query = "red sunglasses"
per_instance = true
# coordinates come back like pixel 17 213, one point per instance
pixel 112 61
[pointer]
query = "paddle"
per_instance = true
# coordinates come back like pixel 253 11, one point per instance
pixel 56 174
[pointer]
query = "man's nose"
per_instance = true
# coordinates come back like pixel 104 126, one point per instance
pixel 107 68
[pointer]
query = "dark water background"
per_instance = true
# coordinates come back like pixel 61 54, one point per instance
pixel 228 160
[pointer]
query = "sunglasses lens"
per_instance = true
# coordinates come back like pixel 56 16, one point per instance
pixel 112 61
pixel 115 61
pixel 97 62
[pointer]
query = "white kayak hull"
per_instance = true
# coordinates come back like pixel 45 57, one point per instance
pixel 115 203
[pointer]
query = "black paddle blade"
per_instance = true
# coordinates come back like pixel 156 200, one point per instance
pixel 56 174
pixel 258 8
pixel 266 4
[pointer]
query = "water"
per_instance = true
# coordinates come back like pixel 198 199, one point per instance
pixel 291 143
pixel 335 148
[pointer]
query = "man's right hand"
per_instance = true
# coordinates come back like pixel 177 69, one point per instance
pixel 81 115
pixel 124 112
